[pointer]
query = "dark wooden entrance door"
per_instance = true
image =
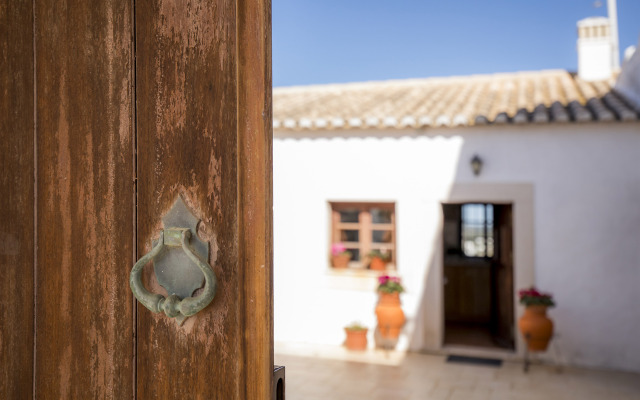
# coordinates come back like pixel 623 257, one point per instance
pixel 478 274
pixel 109 111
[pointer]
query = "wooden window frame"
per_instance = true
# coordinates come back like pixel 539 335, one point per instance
pixel 365 227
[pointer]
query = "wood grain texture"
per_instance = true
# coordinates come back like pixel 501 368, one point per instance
pixel 187 144
pixel 467 294
pixel 255 201
pixel 85 199
pixel 205 135
pixel 16 202
pixel 503 304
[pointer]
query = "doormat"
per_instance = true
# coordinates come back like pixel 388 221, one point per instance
pixel 491 362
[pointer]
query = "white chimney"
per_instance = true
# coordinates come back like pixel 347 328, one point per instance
pixel 595 49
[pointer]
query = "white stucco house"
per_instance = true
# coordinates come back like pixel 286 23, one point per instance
pixel 387 165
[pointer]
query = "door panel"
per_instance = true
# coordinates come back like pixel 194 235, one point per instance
pixel 187 106
pixel 504 323
pixel 16 202
pixel 190 142
pixel 467 293
pixel 85 227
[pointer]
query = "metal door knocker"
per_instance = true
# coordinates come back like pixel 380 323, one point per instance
pixel 180 261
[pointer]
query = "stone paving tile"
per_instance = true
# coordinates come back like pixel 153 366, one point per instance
pixel 426 377
pixel 437 394
pixel 470 394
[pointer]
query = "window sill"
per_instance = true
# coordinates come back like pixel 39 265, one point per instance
pixel 355 279
pixel 359 272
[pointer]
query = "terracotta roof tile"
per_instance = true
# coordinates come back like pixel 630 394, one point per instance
pixel 541 97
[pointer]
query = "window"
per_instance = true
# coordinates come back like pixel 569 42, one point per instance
pixel 364 227
pixel 477 230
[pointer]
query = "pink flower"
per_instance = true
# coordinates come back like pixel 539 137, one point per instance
pixel 337 249
pixel 389 284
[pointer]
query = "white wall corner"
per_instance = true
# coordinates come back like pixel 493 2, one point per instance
pixel 628 82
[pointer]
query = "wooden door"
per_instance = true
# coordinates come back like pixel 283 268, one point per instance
pixel 504 319
pixel 109 111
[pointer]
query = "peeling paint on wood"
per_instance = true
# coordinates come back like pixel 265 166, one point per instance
pixel 189 136
pixel 203 126
pixel 186 144
pixel 84 201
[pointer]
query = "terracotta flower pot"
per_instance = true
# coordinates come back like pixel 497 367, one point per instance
pixel 536 327
pixel 356 339
pixel 377 264
pixel 340 261
pixel 390 315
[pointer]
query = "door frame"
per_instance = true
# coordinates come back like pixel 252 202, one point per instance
pixel 520 195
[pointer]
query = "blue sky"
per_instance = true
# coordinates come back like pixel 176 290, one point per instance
pixel 326 41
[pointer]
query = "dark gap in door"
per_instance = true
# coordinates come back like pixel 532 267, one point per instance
pixel 134 151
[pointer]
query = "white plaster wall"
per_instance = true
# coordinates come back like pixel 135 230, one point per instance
pixel 586 230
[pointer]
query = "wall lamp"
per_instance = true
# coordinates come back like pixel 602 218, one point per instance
pixel 476 164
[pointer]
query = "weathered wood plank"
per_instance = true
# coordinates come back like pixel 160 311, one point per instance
pixel 255 216
pixel 186 127
pixel 16 202
pixel 205 135
pixel 85 193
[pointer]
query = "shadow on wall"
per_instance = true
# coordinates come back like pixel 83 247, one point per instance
pixel 426 333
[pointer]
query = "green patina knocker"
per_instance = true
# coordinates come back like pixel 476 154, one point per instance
pixel 180 264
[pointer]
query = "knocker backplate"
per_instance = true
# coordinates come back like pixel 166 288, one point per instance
pixel 173 268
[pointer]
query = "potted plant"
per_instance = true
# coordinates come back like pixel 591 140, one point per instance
pixel 534 324
pixel 356 336
pixel 340 257
pixel 378 260
pixel 388 310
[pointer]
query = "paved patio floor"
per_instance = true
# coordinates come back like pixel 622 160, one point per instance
pixel 335 374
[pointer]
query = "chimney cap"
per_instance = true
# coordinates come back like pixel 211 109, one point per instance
pixel 593 21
